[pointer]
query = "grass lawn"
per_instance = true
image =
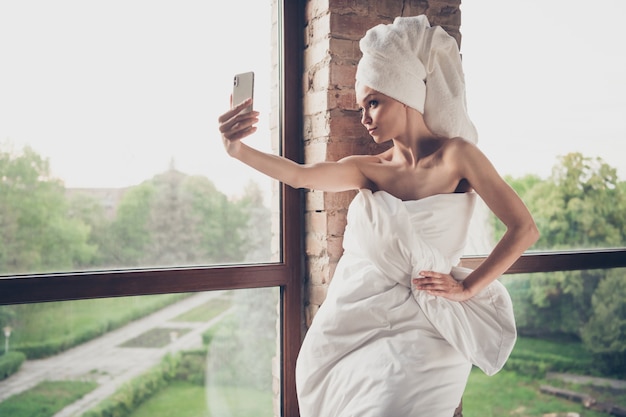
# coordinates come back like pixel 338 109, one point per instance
pixel 240 402
pixel 180 399
pixel 208 310
pixel 183 399
pixel 154 338
pixel 49 321
pixel 45 399
pixel 501 395
pixel 565 348
pixel 510 394
pixel 553 350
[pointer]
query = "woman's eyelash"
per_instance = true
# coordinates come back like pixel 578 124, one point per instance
pixel 371 103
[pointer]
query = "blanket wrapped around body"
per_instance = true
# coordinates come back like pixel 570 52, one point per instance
pixel 379 348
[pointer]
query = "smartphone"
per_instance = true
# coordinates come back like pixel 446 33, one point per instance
pixel 243 88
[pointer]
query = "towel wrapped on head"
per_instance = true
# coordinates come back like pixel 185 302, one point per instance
pixel 420 66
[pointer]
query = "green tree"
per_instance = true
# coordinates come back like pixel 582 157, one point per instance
pixel 175 219
pixel 585 205
pixel 258 231
pixel 171 223
pixel 90 211
pixel 36 234
pixel 582 205
pixel 221 223
pixel 129 232
pixel 605 332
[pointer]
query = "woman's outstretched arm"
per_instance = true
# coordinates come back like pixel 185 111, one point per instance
pixel 324 176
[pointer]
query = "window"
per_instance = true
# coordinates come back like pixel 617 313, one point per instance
pixel 546 93
pixel 214 348
pixel 109 127
pixel 180 70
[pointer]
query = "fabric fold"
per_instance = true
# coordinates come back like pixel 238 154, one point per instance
pixel 481 328
pixel 379 347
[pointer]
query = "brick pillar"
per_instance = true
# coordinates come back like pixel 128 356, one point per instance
pixel 332 127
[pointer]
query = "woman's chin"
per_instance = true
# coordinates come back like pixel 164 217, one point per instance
pixel 379 139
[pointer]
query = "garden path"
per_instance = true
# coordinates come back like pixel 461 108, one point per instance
pixel 103 359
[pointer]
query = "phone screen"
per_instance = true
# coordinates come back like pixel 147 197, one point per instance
pixel 243 88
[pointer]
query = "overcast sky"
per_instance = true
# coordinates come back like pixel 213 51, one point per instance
pixel 546 77
pixel 112 91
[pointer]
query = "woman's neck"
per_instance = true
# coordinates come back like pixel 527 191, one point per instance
pixel 417 142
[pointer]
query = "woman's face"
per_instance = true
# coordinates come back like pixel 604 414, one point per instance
pixel 383 117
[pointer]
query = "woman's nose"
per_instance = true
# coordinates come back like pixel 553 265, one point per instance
pixel 365 118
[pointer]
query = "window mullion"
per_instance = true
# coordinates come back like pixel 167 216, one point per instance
pixel 61 287
pixel 560 260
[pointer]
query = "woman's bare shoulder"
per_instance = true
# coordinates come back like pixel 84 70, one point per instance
pixel 458 150
pixel 459 144
pixel 363 159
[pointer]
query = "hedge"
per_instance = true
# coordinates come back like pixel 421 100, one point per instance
pixel 10 363
pixel 53 346
pixel 184 366
pixel 126 399
pixel 540 362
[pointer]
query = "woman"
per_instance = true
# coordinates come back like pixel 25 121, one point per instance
pixel 401 325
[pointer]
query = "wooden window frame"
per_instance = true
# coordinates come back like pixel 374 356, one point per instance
pixel 552 261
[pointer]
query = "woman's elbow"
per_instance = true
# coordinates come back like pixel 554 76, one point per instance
pixel 531 233
pixel 524 233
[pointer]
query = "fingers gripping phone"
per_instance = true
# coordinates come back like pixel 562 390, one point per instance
pixel 243 88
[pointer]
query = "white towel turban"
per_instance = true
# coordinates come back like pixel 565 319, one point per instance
pixel 420 66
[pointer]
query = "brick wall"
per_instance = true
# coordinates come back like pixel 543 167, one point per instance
pixel 332 127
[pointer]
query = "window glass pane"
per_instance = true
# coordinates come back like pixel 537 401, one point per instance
pixel 195 354
pixel 547 93
pixel 110 155
pixel 570 337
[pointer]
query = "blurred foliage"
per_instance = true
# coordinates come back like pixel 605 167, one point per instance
pixel 581 206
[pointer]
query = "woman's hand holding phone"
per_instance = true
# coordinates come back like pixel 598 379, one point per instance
pixel 236 124
pixel 239 122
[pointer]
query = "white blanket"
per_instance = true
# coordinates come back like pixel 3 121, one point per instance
pixel 379 348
